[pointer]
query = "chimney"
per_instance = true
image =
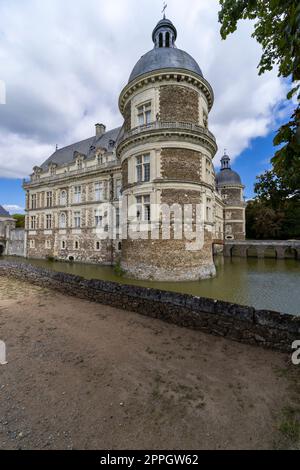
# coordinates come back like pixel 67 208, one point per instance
pixel 100 130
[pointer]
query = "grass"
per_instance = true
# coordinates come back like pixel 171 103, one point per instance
pixel 290 424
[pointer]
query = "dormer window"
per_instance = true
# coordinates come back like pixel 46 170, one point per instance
pixel 79 165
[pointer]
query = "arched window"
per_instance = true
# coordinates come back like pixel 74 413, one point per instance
pixel 160 40
pixel 62 220
pixel 168 39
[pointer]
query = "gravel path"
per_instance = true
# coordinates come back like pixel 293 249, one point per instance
pixel 86 376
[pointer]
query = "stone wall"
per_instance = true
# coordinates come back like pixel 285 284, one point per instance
pixel 127 117
pixel 236 322
pixel 16 243
pixel 179 104
pixel 181 164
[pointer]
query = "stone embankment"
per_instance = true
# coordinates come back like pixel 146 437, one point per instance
pixel 240 323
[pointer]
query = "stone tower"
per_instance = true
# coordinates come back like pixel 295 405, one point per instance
pixel 230 187
pixel 166 153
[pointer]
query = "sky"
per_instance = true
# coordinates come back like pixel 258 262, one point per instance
pixel 64 64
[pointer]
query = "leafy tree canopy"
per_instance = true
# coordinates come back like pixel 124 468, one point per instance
pixel 277 29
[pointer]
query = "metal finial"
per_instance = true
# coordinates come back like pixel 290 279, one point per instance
pixel 56 147
pixel 164 9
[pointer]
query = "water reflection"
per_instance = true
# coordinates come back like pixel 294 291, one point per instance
pixel 263 283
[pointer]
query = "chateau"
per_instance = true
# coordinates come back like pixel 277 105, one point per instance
pixel 162 155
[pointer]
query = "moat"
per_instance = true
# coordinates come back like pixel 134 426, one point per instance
pixel 262 283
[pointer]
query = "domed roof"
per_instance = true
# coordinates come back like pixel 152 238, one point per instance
pixel 165 54
pixel 228 176
pixel 165 58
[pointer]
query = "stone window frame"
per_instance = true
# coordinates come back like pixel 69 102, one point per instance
pixel 143 207
pixel 62 225
pixel 97 246
pixel 98 218
pixel 77 219
pixel 76 244
pixel 77 196
pixel 33 201
pixel 49 220
pixel 143 168
pixel 144 113
pixel 33 222
pixel 31 243
pixel 48 245
pixel 63 244
pixel 99 193
pixel 49 199
pixel 63 199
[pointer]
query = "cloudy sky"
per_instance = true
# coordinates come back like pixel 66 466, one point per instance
pixel 64 64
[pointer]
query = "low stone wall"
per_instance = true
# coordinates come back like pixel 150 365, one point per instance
pixel 240 323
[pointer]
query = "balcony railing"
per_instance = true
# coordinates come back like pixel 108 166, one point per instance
pixel 163 125
pixel 69 173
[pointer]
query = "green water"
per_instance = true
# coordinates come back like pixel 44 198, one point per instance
pixel 262 283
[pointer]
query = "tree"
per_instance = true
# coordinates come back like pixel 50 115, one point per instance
pixel 277 29
pixel 20 218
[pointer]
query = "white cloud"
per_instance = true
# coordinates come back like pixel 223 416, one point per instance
pixel 13 209
pixel 65 64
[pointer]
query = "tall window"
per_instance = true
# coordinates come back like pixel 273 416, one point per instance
pixel 48 221
pixel 117 217
pixel 98 218
pixel 77 194
pixel 208 210
pixel 143 168
pixel 143 208
pixel 144 114
pixel 77 219
pixel 33 201
pixel 33 222
pixel 98 191
pixel 79 165
pixel 49 199
pixel 63 198
pixel 118 188
pixel 62 220
pixel 167 39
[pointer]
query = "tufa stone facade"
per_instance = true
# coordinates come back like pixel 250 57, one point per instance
pixel 163 154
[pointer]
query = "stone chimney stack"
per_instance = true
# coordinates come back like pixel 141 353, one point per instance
pixel 100 130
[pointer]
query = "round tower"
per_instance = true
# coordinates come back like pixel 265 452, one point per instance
pixel 166 153
pixel 231 189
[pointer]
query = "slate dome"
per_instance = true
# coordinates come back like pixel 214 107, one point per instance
pixel 165 54
pixel 226 175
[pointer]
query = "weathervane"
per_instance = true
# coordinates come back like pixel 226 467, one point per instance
pixel 164 9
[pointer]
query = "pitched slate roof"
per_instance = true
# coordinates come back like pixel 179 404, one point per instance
pixel 65 155
pixel 3 212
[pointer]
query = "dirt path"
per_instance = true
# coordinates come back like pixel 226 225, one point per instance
pixel 86 376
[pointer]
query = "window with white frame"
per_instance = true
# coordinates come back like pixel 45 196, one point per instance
pixel 77 194
pixel 98 191
pixel 33 222
pixel 33 201
pixel 62 220
pixel 48 221
pixel 144 114
pixel 143 208
pixel 98 218
pixel 63 197
pixel 49 199
pixel 143 168
pixel 32 243
pixel 77 219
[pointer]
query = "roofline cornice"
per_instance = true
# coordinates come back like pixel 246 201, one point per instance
pixel 166 75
